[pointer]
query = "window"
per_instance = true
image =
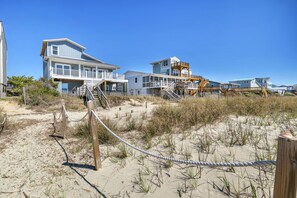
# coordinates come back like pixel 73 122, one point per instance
pixel 165 63
pixel 64 87
pixel 55 50
pixel 62 69
pixel 66 70
pixel 59 69
pixel 135 80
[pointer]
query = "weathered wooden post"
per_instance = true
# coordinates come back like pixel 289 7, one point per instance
pixel 64 118
pixel 93 126
pixel 285 183
pixel 2 127
pixel 24 96
pixel 55 122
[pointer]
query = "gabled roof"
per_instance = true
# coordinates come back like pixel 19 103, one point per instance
pixel 91 57
pixel 44 44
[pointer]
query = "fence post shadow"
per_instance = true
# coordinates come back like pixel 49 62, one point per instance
pixel 74 165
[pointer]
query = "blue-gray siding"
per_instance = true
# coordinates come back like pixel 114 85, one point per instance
pixel 157 69
pixel 45 70
pixel 66 49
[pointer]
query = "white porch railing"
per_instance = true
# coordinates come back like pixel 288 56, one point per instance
pixel 86 74
pixel 157 84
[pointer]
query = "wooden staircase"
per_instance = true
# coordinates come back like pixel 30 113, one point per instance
pixel 169 93
pixel 101 97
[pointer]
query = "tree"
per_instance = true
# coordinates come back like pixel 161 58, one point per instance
pixel 18 82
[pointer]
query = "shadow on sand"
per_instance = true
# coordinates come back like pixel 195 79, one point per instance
pixel 74 165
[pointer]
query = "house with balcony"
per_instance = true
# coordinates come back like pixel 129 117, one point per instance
pixel 253 82
pixel 66 62
pixel 170 74
pixel 141 83
pixel 3 62
pixel 172 66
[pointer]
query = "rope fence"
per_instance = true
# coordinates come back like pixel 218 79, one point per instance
pixel 286 169
pixel 198 163
pixel 190 162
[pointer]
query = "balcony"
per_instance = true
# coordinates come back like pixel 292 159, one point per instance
pixel 182 65
pixel 84 74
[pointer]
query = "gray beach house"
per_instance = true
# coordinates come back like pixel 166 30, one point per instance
pixel 66 62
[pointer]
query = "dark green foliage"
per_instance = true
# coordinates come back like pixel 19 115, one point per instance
pixel 38 92
pixel 18 82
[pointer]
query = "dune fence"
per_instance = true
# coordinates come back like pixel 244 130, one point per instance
pixel 285 183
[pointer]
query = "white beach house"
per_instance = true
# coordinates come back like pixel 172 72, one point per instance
pixel 3 62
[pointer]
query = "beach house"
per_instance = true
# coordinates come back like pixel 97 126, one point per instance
pixel 253 82
pixel 3 62
pixel 170 76
pixel 66 62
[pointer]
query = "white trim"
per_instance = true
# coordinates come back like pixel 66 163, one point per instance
pixel 94 79
pixel 52 50
pixel 64 39
pixel 79 70
pixel 81 61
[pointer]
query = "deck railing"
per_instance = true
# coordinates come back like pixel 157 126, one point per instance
pixel 86 74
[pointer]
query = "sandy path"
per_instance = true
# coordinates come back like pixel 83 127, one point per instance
pixel 32 162
pixel 36 165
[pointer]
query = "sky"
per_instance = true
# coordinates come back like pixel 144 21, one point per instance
pixel 221 39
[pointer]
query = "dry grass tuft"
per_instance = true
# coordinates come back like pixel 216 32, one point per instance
pixel 83 131
pixel 198 112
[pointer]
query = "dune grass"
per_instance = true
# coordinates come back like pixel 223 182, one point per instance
pixel 198 112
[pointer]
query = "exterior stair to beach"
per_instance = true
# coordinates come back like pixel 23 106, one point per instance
pixel 99 94
pixel 168 92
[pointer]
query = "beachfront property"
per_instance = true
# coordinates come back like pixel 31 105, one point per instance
pixel 170 77
pixel 253 82
pixel 141 83
pixel 171 66
pixel 66 62
pixel 3 62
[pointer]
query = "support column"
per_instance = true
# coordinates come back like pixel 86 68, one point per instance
pixel 50 69
pixel 96 71
pixel 79 70
pixel 180 71
pixel 105 87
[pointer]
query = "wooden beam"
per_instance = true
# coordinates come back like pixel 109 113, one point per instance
pixel 285 183
pixel 64 119
pixel 93 125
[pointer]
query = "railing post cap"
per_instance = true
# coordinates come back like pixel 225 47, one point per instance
pixel 62 101
pixel 287 134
